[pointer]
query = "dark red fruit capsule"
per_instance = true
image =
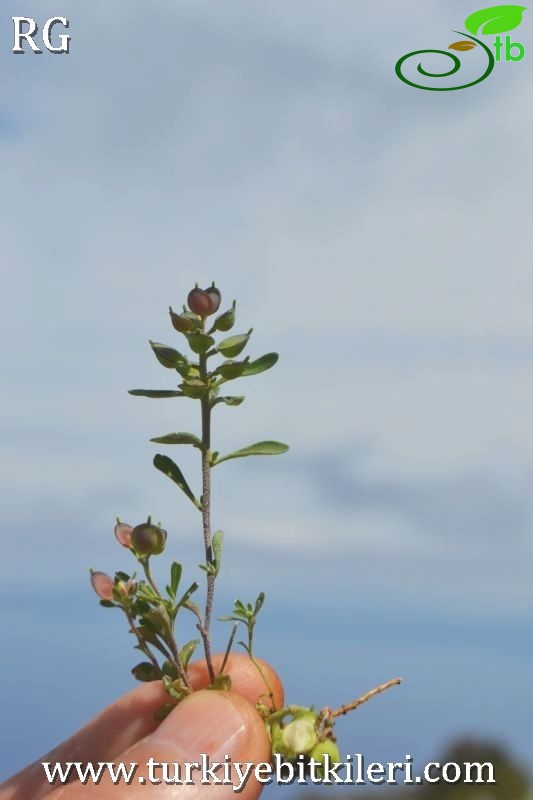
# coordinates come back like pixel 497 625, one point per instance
pixel 148 539
pixel 199 302
pixel 216 297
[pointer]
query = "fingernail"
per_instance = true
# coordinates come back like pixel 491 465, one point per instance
pixel 206 722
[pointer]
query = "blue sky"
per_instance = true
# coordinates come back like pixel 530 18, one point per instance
pixel 376 236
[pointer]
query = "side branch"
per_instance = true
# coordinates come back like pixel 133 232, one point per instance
pixel 364 698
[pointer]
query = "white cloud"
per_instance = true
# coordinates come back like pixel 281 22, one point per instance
pixel 377 237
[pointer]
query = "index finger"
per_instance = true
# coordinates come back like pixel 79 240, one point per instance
pixel 130 718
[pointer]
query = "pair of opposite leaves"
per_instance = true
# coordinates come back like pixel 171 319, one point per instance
pixel 497 19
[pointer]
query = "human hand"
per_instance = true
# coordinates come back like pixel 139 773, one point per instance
pixel 213 722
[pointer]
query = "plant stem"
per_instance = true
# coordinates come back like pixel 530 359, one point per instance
pixel 364 698
pixel 172 643
pixel 228 648
pixel 142 644
pixel 257 665
pixel 270 693
pixel 205 628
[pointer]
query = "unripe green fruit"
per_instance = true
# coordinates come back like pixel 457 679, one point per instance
pixel 322 749
pixel 200 302
pixel 277 741
pixel 148 539
pixel 226 321
pixel 299 736
pixel 182 323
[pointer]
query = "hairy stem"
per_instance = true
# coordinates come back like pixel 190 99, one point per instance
pixel 142 644
pixel 200 625
pixel 172 643
pixel 205 629
pixel 364 698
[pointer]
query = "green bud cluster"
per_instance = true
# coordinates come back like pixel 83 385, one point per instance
pixel 304 734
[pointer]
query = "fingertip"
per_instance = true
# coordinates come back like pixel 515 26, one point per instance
pixel 209 726
pixel 215 722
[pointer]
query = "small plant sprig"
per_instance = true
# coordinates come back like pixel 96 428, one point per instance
pixel 152 615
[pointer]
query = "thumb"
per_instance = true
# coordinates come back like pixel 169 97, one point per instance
pixel 208 723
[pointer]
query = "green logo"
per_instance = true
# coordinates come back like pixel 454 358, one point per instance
pixel 486 22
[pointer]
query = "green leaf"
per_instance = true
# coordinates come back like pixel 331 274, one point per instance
pixel 187 651
pixel 146 672
pixel 178 438
pixel 260 364
pixel 188 370
pixel 150 636
pixel 194 607
pixel 240 613
pixel 175 577
pixel 108 604
pixel 259 603
pixel 194 388
pixel 239 608
pixel 228 401
pixel 146 592
pixel 169 671
pixel 234 345
pixel 200 342
pixel 209 568
pixel 257 449
pixel 159 620
pixel 156 393
pixel 496 19
pixel 216 546
pixel 167 356
pixel 172 687
pixel 190 591
pixel 231 369
pixel 165 465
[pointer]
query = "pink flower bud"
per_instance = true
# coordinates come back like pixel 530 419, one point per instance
pixel 123 534
pixel 102 584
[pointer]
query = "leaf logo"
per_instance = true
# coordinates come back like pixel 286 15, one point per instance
pixel 462 45
pixel 496 19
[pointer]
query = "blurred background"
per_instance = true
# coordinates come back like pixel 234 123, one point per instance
pixel 379 238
